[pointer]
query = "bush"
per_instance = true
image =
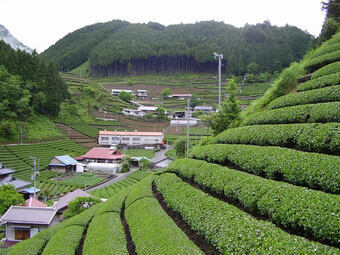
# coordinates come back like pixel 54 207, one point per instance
pixel 313 64
pixel 180 147
pixel 321 95
pixel 306 137
pixel 229 229
pixel 284 204
pixel 323 112
pixel 80 204
pixel 313 170
pixel 326 70
pixel 125 96
pixel 144 164
pixel 320 82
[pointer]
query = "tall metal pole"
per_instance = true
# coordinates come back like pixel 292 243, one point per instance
pixel 219 82
pixel 188 131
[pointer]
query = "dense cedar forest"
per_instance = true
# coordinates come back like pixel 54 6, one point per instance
pixel 120 48
pixel 28 85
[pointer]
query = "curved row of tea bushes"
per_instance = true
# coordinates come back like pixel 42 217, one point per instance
pixel 306 137
pixel 152 230
pixel 229 229
pixel 314 213
pixel 327 70
pixel 309 113
pixel 312 170
pixel 105 235
pixel 314 64
pixel 320 82
pixel 322 95
pixel 65 241
pixel 325 49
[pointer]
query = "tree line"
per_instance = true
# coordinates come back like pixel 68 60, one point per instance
pixel 28 85
pixel 118 47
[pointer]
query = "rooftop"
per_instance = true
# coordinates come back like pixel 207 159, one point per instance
pixel 31 202
pixel 67 160
pixel 126 133
pixel 29 215
pixel 103 153
pixel 63 201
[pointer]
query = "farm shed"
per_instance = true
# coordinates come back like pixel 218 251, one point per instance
pixel 102 155
pixel 25 222
pixel 63 163
pixel 105 168
pixel 180 96
pixel 29 192
pixel 130 138
pixel 7 179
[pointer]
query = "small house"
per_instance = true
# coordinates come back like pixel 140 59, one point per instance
pixel 102 155
pixel 142 94
pixel 6 178
pixel 63 163
pixel 23 222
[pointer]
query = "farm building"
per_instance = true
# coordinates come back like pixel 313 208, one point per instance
pixel 62 204
pixel 142 94
pixel 104 168
pixel 24 222
pixel 137 139
pixel 7 179
pixel 30 192
pixel 204 108
pixel 133 112
pixel 180 96
pixel 116 92
pixel 63 163
pixel 102 155
pixel 147 109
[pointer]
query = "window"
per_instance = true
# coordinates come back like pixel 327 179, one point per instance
pixel 135 139
pixel 115 138
pixel 21 233
pixel 104 138
pixel 126 139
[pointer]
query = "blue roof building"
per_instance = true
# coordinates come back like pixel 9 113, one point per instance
pixel 63 163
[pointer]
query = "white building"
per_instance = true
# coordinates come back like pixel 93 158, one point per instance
pixel 130 138
pixel 133 112
pixel 116 92
pixel 147 109
pixel 142 94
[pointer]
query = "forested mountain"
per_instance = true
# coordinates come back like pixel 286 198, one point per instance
pixel 28 85
pixel 118 47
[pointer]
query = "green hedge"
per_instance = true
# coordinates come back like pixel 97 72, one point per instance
pixel 312 170
pixel 327 70
pixel 105 235
pixel 312 113
pixel 65 241
pixel 325 49
pixel 306 137
pixel 313 64
pixel 284 204
pixel 321 95
pixel 115 204
pixel 152 230
pixel 229 229
pixel 320 82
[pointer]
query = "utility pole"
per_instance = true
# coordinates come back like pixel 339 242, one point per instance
pixel 56 185
pixel 188 131
pixel 34 175
pixel 220 57
pixel 85 185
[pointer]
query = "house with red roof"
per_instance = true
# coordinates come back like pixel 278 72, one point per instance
pixel 31 202
pixel 131 139
pixel 102 155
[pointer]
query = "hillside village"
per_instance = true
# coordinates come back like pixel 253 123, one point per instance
pixel 130 160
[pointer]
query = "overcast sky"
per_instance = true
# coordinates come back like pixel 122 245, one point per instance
pixel 40 23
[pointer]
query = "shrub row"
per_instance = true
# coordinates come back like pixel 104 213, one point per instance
pixel 313 64
pixel 312 113
pixel 320 82
pixel 229 229
pixel 284 204
pixel 312 170
pixel 105 235
pixel 65 241
pixel 306 137
pixel 152 230
pixel 327 70
pixel 321 95
pixel 325 49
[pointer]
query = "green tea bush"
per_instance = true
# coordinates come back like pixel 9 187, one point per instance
pixel 313 64
pixel 313 113
pixel 65 241
pixel 306 137
pixel 327 70
pixel 325 49
pixel 105 235
pixel 284 204
pixel 313 170
pixel 320 82
pixel 321 95
pixel 229 229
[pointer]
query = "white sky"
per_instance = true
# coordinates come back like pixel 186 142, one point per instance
pixel 40 23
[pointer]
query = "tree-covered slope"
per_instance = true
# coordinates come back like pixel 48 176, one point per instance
pixel 119 47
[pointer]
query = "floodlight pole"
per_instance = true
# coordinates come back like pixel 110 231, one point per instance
pixel 220 57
